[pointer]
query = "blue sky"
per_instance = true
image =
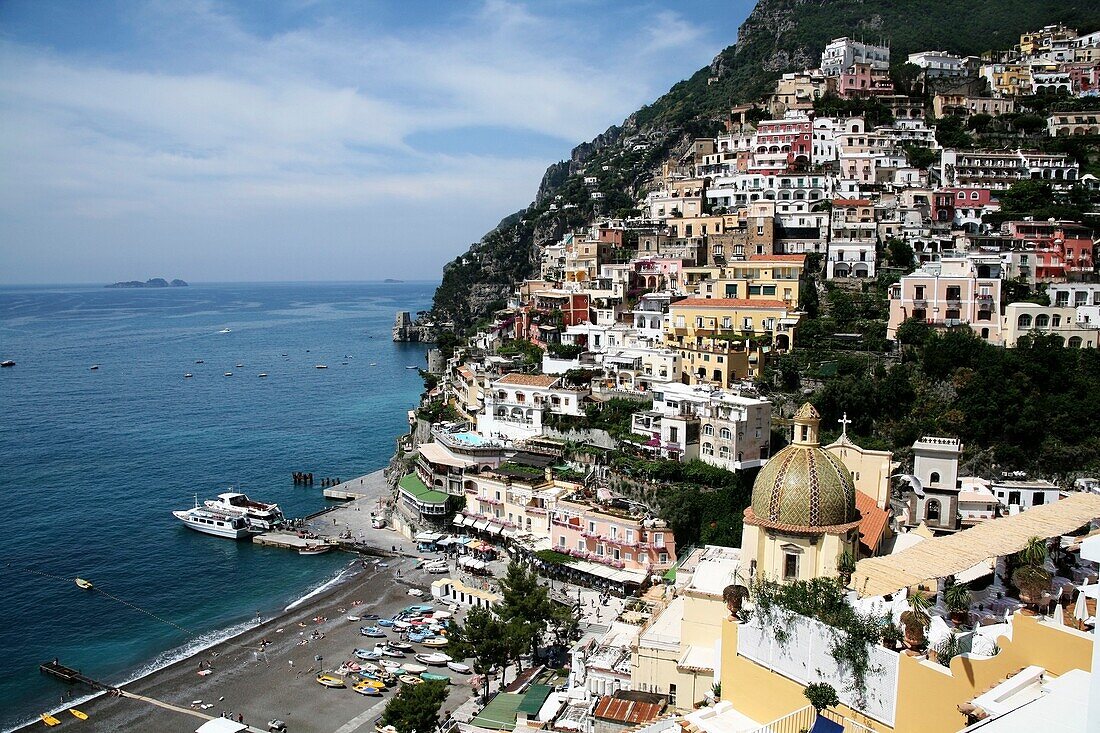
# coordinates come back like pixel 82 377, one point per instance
pixel 306 139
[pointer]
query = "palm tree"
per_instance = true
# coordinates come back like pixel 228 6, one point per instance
pixel 957 599
pixel 916 619
pixel 1031 577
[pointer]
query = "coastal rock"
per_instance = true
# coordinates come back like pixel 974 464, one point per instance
pixel 156 282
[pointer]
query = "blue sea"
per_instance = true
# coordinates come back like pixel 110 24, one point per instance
pixel 93 462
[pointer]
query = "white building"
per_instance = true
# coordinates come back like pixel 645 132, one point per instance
pixel 720 427
pixel 1018 496
pixel 841 53
pixel 516 404
pixel 937 64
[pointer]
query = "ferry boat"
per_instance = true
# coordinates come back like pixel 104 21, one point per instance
pixel 208 521
pixel 257 513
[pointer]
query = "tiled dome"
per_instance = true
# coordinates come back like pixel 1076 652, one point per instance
pixel 804 486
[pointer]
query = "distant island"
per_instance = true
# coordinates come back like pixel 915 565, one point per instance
pixel 156 282
pixel 391 280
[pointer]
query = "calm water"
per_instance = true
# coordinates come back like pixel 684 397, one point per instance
pixel 92 462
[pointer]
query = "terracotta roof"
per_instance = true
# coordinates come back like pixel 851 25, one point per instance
pixel 529 380
pixel 872 522
pixel 942 556
pixel 851 202
pixel 466 372
pixel 627 711
pixel 776 258
pixel 727 303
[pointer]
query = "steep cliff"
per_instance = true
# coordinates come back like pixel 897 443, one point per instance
pixel 777 37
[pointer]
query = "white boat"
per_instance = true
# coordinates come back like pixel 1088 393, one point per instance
pixel 412 367
pixel 415 668
pixel 229 374
pixel 320 366
pixel 226 330
pixel 240 366
pixel 261 375
pixel 188 375
pixel 258 514
pixel 314 549
pixel 459 667
pixel 94 367
pixel 435 659
pixel 219 524
pixel 435 641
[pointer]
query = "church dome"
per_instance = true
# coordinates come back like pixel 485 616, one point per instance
pixel 804 487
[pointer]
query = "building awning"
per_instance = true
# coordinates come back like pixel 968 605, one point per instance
pixel 445 542
pixel 468 521
pixel 427 537
pixel 494 529
pixel 508 533
pixel 437 454
pixel 481 524
pixel 458 520
pixel 940 557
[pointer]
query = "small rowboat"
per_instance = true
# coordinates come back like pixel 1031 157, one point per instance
pixel 415 669
pixel 52 721
pixel 408 679
pixel 80 715
pixel 435 642
pixel 85 584
pixel 459 667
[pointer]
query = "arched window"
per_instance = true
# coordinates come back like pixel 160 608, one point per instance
pixel 724 451
pixel 932 510
pixel 1075 342
pixel 934 477
pixel 708 449
pixel 725 434
pixel 708 429
pixel 1024 321
pixel 1042 321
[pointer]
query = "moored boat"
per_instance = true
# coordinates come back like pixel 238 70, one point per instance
pixel 314 549
pixel 85 584
pixel 215 523
pixel 435 659
pixel 258 513
pixel 7 363
pixel 432 677
pixel 459 667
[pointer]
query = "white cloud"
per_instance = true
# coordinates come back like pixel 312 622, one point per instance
pixel 313 119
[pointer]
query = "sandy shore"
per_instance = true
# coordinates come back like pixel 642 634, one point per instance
pixel 279 681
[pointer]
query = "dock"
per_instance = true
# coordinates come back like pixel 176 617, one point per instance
pixel 287 540
pixel 71 676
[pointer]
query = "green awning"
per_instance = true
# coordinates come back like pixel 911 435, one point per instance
pixel 670 574
pixel 534 699
pixel 414 487
pixel 500 713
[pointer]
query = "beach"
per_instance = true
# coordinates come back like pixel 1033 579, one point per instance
pixel 278 682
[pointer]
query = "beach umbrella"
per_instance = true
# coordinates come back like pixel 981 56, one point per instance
pixel 1081 607
pixel 1059 617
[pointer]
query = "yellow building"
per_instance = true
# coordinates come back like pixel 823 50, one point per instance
pixel 676 653
pixel 803 515
pixel 756 278
pixel 710 335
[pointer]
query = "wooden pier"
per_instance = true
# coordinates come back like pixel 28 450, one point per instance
pixel 71 676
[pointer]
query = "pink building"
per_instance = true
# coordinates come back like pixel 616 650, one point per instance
pixel 783 145
pixel 863 80
pixel 948 294
pixel 1069 243
pixel 658 274
pixel 616 536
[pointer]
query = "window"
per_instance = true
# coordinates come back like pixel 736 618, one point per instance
pixel 1042 321
pixel 580 545
pixel 1014 498
pixel 725 434
pixel 614 532
pixel 561 540
pixel 1037 498
pixel 934 477
pixel 1075 342
pixel 708 429
pixel 599 550
pixel 630 536
pixel 591 528
pixel 708 449
pixel 1024 321
pixel 932 510
pixel 724 451
pixel 659 539
pixel 790 566
pixel 674 434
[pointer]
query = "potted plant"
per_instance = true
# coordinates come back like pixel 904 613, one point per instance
pixel 1031 577
pixel 916 619
pixel 821 695
pixel 845 566
pixel 734 596
pixel 957 598
pixel 891 634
